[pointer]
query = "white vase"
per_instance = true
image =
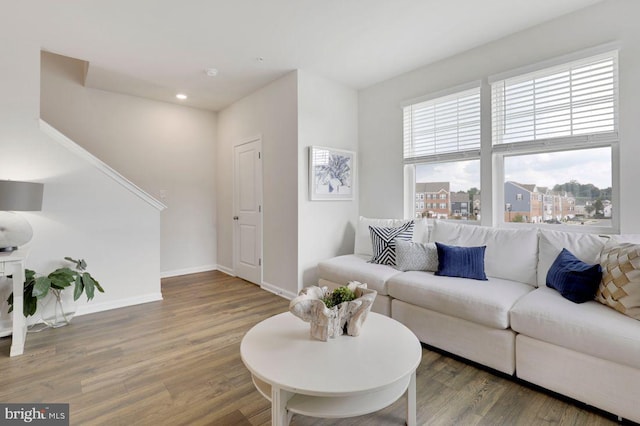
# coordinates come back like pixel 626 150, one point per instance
pixel 58 307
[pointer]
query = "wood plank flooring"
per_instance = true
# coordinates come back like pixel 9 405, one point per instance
pixel 177 362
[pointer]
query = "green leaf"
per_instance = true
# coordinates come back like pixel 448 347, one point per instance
pixel 77 292
pixel 60 282
pixel 89 285
pixel 30 306
pixel 64 274
pixel 10 302
pixel 98 286
pixel 41 287
pixel 62 278
pixel 81 265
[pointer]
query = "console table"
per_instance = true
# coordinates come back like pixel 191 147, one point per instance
pixel 13 264
pixel 343 377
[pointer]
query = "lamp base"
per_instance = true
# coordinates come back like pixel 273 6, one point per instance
pixel 8 249
pixel 15 231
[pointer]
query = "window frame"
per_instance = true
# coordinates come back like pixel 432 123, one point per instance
pixel 410 165
pixel 492 157
pixel 562 144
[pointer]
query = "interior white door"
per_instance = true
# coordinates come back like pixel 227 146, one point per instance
pixel 247 219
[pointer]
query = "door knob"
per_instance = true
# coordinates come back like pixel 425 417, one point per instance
pixel 235 218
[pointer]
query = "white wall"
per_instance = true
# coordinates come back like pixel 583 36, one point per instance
pixel 166 149
pixel 380 115
pixel 327 116
pixel 272 113
pixel 85 213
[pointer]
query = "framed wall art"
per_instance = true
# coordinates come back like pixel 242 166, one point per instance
pixel 331 173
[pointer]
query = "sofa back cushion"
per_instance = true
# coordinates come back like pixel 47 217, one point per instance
pixel 363 244
pixel 586 247
pixel 511 254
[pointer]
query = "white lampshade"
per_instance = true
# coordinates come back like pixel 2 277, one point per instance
pixel 15 230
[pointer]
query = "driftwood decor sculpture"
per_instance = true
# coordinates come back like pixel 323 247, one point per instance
pixel 334 321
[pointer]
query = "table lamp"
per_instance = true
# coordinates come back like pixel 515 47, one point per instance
pixel 15 230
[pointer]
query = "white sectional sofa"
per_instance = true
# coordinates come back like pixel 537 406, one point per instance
pixel 512 322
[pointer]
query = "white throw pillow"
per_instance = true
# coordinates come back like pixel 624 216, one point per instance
pixel 363 244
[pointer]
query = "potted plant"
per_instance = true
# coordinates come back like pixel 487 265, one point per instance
pixel 36 289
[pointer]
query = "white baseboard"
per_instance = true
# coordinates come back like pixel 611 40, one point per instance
pixel 115 304
pixel 277 291
pixel 185 271
pixel 228 271
pixel 6 328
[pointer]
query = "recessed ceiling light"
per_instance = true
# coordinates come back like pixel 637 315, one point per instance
pixel 211 72
pixel 181 96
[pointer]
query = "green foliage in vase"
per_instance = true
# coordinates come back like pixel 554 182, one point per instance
pixel 339 295
pixel 38 287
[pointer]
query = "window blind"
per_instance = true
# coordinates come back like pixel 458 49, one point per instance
pixel 576 100
pixel 441 126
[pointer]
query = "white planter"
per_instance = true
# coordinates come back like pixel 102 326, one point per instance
pixel 347 317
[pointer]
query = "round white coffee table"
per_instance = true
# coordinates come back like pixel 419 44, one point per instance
pixel 343 377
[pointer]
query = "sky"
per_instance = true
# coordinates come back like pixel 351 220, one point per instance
pixel 548 169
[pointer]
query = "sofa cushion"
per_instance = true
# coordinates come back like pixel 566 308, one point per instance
pixel 383 240
pixel 575 280
pixel 620 285
pixel 590 327
pixel 482 302
pixel 351 267
pixel 586 247
pixel 511 254
pixel 463 262
pixel 412 256
pixel 363 237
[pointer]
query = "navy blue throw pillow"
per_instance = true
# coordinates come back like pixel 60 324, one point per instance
pixel 464 262
pixel 574 279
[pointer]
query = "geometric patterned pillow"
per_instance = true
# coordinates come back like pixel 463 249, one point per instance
pixel 413 256
pixel 620 286
pixel 384 246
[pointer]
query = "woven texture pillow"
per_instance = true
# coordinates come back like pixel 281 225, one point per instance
pixel 412 256
pixel 620 286
pixel 383 242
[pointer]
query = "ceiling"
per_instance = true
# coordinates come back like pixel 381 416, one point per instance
pixel 157 48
